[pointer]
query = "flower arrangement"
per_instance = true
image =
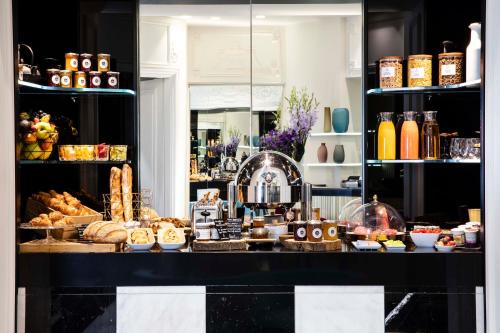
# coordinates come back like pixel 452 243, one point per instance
pixel 234 141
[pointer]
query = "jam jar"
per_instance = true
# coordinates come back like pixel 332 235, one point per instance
pixel 94 79
pixel 113 79
pixel 391 72
pixel 80 80
pixel 330 230
pixel 314 231
pixel 65 76
pixel 451 68
pixel 85 62
pixel 103 62
pixel 420 70
pixel 71 61
pixel 53 78
pixel 299 231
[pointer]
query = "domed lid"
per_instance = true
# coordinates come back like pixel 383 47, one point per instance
pixel 347 210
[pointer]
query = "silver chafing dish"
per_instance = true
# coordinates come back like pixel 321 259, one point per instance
pixel 268 180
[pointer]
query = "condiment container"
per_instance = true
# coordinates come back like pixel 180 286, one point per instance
pixel 118 153
pixel 299 231
pixel 420 70
pixel 101 152
pixel 103 62
pixel 53 78
pixel 330 230
pixel 258 222
pixel 471 237
pixel 458 236
pixel 65 76
pixel 451 68
pixel 86 62
pixel 71 61
pixel 84 152
pixel 316 213
pixel 391 72
pixel 95 79
pixel 203 232
pixel 314 231
pixel 80 80
pixel 66 153
pixel 113 80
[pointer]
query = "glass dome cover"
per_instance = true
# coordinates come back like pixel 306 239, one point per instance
pixel 347 210
pixel 376 220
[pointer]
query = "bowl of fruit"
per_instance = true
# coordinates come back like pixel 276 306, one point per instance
pixel 425 236
pixel 445 244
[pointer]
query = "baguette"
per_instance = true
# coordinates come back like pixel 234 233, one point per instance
pixel 127 192
pixel 115 195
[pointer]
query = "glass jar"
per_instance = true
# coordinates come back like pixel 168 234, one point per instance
pixel 84 152
pixel 95 79
pixel 67 153
pixel 113 80
pixel 101 152
pixel 299 231
pixel 65 76
pixel 451 68
pixel 103 60
pixel 429 138
pixel 420 70
pixel 314 231
pixel 386 137
pixel 391 72
pixel 53 78
pixel 86 62
pixel 409 137
pixel 258 222
pixel 118 153
pixel 330 230
pixel 80 80
pixel 71 61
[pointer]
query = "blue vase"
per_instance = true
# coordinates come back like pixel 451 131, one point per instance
pixel 340 120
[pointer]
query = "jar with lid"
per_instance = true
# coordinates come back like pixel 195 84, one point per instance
pixel 65 76
pixel 113 79
pixel 53 78
pixel 420 70
pixel 95 79
pixel 85 62
pixel 299 231
pixel 103 60
pixel 391 72
pixel 71 61
pixel 80 80
pixel 330 230
pixel 451 68
pixel 314 231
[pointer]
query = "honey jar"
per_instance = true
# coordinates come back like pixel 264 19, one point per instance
pixel 103 62
pixel 299 231
pixel 113 80
pixel 420 70
pixel 330 230
pixel 53 78
pixel 65 78
pixel 314 231
pixel 80 80
pixel 316 213
pixel 71 61
pixel 391 72
pixel 85 62
pixel 94 79
pixel 258 222
pixel 451 68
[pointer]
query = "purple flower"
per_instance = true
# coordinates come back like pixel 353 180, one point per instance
pixel 232 146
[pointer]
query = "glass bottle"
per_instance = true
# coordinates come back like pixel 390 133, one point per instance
pixel 429 139
pixel 409 137
pixel 386 137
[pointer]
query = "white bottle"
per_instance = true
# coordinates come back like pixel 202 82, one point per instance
pixel 473 55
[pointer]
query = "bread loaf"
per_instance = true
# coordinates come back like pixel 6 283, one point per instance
pixel 105 232
pixel 128 211
pixel 116 208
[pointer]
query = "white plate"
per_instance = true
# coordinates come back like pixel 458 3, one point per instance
pixel 444 248
pixel 366 245
pixel 171 246
pixel 140 247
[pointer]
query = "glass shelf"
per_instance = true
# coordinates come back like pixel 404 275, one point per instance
pixel 449 161
pixel 466 87
pixel 28 88
pixel 336 134
pixel 324 165
pixel 36 162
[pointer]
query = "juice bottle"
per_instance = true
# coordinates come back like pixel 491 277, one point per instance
pixel 429 139
pixel 386 137
pixel 409 137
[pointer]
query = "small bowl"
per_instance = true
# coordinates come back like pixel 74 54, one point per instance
pixel 259 233
pixel 444 248
pixel 171 246
pixel 424 240
pixel 140 247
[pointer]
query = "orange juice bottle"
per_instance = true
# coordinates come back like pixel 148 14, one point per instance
pixel 409 137
pixel 386 137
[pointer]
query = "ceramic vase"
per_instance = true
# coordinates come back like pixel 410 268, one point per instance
pixel 340 120
pixel 339 154
pixel 322 153
pixel 327 123
pixel 473 54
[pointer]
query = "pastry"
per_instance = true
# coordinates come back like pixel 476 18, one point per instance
pixel 171 235
pixel 40 222
pixel 59 223
pixel 116 195
pixel 128 212
pixel 105 232
pixel 55 216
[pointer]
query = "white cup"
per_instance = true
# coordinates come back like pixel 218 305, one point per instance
pixel 471 237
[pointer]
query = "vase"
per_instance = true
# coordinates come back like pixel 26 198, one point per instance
pixel 327 122
pixel 473 54
pixel 340 120
pixel 298 151
pixel 322 153
pixel 339 154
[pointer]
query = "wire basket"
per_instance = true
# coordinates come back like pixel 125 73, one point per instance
pixel 39 149
pixel 137 205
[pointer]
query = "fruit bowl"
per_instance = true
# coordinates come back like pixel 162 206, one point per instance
pixel 444 248
pixel 34 148
pixel 424 239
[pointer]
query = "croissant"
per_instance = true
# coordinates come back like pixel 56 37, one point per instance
pixel 56 195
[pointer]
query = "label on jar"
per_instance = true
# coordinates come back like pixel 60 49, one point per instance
pixel 301 232
pixel 74 63
pixel 96 81
pixel 86 63
pixel 65 81
pixel 82 82
pixel 317 233
pixel 112 81
pixel 332 231
pixel 417 73
pixel 450 69
pixel 388 71
pixel 56 79
pixel 103 63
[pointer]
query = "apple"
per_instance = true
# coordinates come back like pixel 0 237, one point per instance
pixel 29 138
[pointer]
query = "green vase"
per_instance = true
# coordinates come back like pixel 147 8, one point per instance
pixel 340 120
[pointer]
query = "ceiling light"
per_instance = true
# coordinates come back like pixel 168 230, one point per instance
pixel 215 18
pixel 260 17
